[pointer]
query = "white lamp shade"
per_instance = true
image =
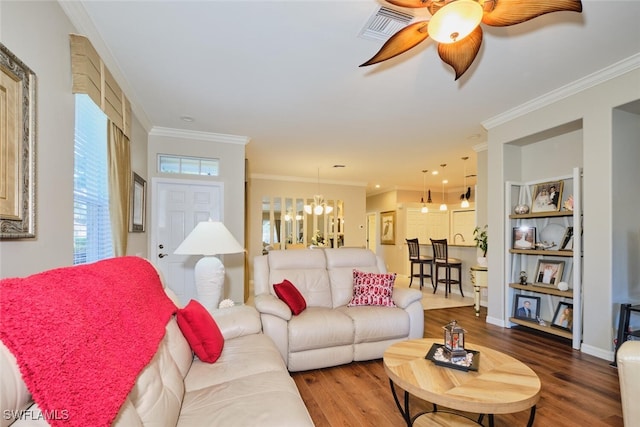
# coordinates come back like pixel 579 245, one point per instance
pixel 209 238
pixel 455 21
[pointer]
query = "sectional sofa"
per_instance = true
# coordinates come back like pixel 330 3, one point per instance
pixel 104 344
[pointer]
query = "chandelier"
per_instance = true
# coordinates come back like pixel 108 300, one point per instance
pixel 319 206
pixel 455 26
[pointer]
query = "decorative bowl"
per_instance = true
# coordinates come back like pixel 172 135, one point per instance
pixel 521 209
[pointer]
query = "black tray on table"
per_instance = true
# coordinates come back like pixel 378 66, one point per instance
pixel 474 364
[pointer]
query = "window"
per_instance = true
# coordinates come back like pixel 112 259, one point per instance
pixel 188 165
pixel 91 224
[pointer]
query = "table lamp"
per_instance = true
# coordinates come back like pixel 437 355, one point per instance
pixel 209 238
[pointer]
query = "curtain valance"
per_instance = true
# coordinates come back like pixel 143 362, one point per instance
pixel 91 76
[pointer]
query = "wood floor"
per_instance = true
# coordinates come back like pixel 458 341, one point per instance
pixel 577 389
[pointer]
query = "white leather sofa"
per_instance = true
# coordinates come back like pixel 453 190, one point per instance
pixel 248 385
pixel 628 361
pixel 327 332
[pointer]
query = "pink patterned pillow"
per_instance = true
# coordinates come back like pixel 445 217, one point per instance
pixel 372 289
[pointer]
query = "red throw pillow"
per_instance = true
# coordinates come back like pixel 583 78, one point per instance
pixel 372 289
pixel 201 331
pixel 291 296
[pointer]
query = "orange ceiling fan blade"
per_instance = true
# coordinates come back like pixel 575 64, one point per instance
pixel 511 12
pixel 460 55
pixel 411 3
pixel 400 42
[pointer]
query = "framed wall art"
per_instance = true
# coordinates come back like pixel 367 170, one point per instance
pixel 18 148
pixel 546 197
pixel 388 228
pixel 138 204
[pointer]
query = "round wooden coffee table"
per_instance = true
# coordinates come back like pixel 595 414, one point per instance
pixel 501 385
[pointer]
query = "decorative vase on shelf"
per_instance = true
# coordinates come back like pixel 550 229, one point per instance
pixel 482 261
pixel 521 209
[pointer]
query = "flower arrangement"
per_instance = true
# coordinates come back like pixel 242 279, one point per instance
pixel 480 236
pixel 317 239
pixel 568 204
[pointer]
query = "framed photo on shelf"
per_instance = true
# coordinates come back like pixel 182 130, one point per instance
pixel 563 318
pixel 526 307
pixel 524 237
pixel 549 272
pixel 547 196
pixel 388 228
pixel 566 244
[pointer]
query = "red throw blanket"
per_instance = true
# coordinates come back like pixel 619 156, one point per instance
pixel 81 335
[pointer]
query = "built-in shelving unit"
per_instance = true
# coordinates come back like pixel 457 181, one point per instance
pixel 550 298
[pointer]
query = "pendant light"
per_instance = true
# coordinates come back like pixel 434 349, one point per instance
pixel 443 206
pixel 465 201
pixel 318 206
pixel 424 208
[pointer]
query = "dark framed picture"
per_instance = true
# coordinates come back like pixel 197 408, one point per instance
pixel 388 228
pixel 524 237
pixel 563 317
pixel 546 196
pixel 138 204
pixel 565 243
pixel 526 307
pixel 549 272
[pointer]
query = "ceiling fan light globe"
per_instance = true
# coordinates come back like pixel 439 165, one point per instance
pixel 317 210
pixel 455 21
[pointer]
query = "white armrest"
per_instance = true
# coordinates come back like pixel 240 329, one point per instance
pixel 403 297
pixel 629 375
pixel 237 321
pixel 269 304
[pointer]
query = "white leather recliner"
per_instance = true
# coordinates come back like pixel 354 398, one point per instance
pixel 328 333
pixel 628 360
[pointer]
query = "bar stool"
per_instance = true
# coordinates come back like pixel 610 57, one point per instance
pixel 441 260
pixel 416 259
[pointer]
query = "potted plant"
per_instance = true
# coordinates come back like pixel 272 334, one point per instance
pixel 480 236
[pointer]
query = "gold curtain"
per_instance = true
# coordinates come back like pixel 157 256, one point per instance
pixel 119 163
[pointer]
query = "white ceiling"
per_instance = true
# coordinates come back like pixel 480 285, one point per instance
pixel 285 74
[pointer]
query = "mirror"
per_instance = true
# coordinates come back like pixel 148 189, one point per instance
pixel 286 224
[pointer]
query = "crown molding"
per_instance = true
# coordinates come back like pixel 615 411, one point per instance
pixel 305 179
pixel 614 70
pixel 200 136
pixel 483 146
pixel 80 19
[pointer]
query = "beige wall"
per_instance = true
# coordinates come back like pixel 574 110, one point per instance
pixel 38 33
pixel 352 195
pixel 593 108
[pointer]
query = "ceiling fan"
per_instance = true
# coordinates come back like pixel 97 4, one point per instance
pixel 455 25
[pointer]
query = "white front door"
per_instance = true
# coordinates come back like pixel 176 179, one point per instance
pixel 178 206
